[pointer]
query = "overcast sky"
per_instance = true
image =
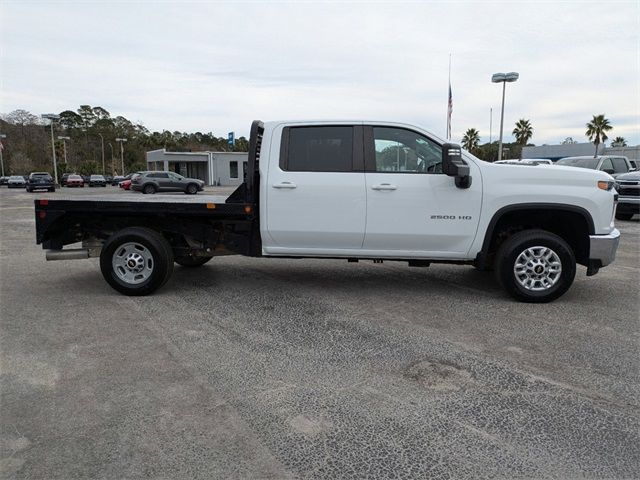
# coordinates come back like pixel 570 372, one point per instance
pixel 215 66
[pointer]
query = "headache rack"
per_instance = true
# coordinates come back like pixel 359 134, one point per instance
pixel 249 191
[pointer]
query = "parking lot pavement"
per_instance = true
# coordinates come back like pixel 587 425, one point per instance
pixel 262 368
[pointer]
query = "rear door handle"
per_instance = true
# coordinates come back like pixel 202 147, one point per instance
pixel 284 185
pixel 384 186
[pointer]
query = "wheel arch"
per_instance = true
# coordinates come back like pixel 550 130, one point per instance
pixel 573 223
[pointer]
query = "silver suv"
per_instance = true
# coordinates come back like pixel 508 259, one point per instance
pixel 614 165
pixel 152 182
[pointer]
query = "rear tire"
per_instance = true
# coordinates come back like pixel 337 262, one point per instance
pixel 192 262
pixel 624 216
pixel 136 261
pixel 535 266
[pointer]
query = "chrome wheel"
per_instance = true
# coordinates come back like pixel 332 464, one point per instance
pixel 133 263
pixel 537 268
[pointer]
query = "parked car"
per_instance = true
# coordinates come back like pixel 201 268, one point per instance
pixel 40 181
pixel 97 181
pixel 75 181
pixel 108 179
pixel 613 165
pixel 634 164
pixel 152 182
pixel 4 180
pixel 16 181
pixel 628 187
pixel 125 184
pixel 63 179
pixel 115 181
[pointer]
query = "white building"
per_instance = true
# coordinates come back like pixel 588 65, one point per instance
pixel 215 168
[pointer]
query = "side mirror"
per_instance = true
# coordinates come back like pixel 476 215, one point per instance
pixel 610 171
pixel 454 166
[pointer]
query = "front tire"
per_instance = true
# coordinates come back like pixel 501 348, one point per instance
pixel 191 189
pixel 535 266
pixel 192 261
pixel 136 261
pixel 149 189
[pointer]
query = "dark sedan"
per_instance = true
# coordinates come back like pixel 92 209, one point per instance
pixel 97 181
pixel 40 181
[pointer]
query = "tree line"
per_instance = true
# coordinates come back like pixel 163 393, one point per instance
pixel 596 132
pixel 91 139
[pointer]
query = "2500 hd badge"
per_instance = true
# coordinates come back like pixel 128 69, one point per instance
pixel 450 217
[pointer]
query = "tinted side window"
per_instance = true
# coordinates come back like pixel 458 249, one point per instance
pixel 320 149
pixel 619 165
pixel 400 150
pixel 606 164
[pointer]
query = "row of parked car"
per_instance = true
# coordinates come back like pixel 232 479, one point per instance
pixel 147 182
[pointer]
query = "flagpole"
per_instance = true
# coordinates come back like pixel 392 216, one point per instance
pixel 449 100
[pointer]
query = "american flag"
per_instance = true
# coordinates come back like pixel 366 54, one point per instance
pixel 449 112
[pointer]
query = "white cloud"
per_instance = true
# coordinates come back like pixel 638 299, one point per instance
pixel 215 66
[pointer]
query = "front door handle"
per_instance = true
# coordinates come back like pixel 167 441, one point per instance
pixel 284 185
pixel 384 186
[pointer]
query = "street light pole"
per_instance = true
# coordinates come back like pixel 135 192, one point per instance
pixel 121 140
pixel 102 144
pixel 112 161
pixel 64 144
pixel 2 135
pixel 52 117
pixel 503 78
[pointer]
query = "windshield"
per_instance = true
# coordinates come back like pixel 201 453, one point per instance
pixel 15 177
pixel 591 163
pixel 97 177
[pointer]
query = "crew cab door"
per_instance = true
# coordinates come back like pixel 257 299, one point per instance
pixel 316 200
pixel 413 209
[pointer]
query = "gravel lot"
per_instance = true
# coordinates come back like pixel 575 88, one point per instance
pixel 262 368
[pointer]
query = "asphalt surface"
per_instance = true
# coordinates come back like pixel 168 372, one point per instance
pixel 265 368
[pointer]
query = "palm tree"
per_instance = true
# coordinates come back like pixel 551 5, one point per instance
pixel 596 130
pixel 471 140
pixel 619 142
pixel 523 133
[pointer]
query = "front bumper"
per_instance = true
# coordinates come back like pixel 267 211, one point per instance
pixel 602 248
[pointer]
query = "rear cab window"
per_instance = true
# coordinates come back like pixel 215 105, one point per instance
pixel 322 149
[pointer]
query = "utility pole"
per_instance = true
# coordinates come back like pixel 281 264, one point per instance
pixel 102 144
pixel 64 144
pixel 121 140
pixel 52 117
pixel 2 136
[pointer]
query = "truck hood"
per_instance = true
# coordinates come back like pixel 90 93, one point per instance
pixel 548 174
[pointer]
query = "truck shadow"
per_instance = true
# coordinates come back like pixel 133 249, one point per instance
pixel 335 276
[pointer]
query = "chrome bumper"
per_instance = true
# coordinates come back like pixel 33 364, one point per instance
pixel 603 247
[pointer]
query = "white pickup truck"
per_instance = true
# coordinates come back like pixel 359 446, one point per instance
pixel 355 191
